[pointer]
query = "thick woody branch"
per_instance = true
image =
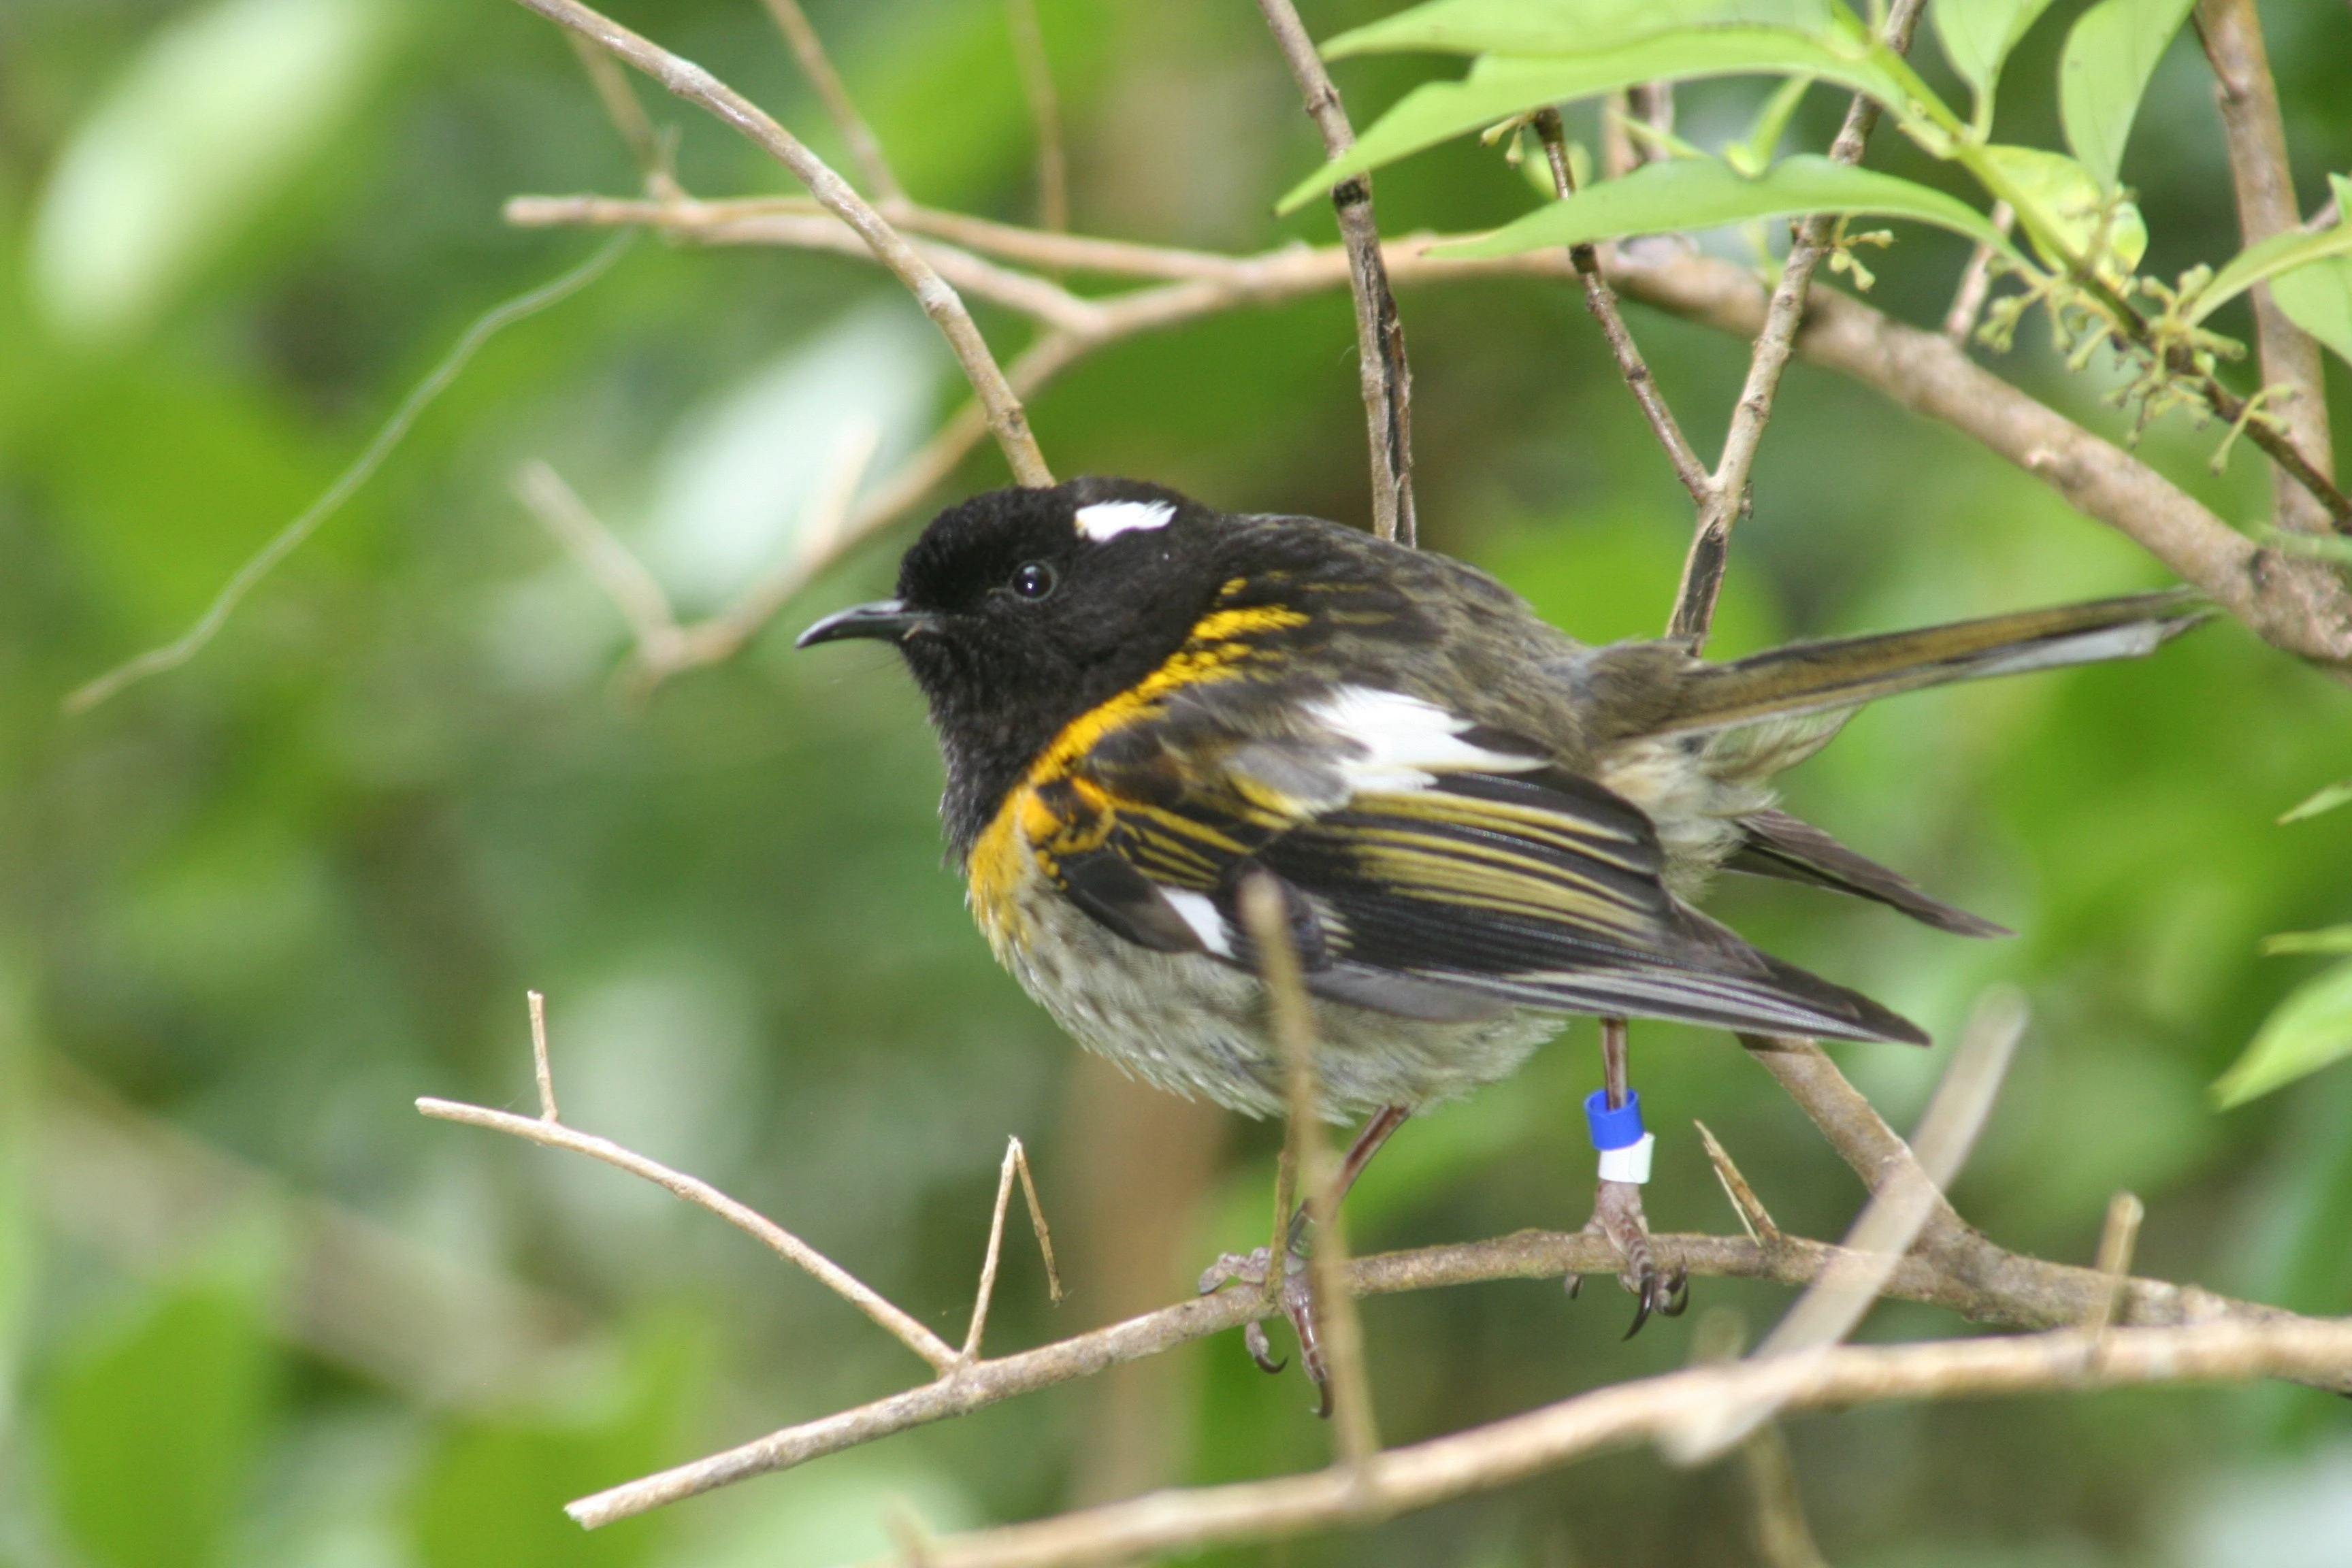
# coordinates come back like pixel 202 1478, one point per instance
pixel 2256 136
pixel 1402 1479
pixel 1726 491
pixel 1007 419
pixel 2294 603
pixel 1380 334
pixel 2031 1295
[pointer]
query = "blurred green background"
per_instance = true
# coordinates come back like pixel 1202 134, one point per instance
pixel 253 1310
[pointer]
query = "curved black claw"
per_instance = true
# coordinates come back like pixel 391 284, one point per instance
pixel 1296 1300
pixel 1669 1295
pixel 1254 1339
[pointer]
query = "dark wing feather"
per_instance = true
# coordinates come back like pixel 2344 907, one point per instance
pixel 1544 903
pixel 1420 885
pixel 1782 846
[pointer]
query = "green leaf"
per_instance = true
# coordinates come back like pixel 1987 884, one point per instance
pixel 1562 27
pixel 2310 1029
pixel 2328 799
pixel 1701 193
pixel 2327 939
pixel 219 111
pixel 2109 57
pixel 2273 258
pixel 2318 297
pixel 2061 205
pixel 155 1426
pixel 1977 35
pixel 1500 85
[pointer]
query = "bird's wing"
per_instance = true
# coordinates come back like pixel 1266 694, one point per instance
pixel 1433 868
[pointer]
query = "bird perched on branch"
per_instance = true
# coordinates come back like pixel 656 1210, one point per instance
pixel 1476 824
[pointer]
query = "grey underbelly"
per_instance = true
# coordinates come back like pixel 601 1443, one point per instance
pixel 1196 1027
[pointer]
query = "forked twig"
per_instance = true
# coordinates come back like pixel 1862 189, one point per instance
pixel 663 647
pixel 545 1129
pixel 1007 419
pixel 540 1065
pixel 1727 497
pixel 1017 1163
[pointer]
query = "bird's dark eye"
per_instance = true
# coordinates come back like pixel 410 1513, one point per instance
pixel 1034 579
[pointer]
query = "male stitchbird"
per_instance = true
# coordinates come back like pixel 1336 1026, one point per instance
pixel 1478 824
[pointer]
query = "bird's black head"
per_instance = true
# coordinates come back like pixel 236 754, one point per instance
pixel 1020 609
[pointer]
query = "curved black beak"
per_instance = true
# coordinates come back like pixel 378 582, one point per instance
pixel 888 620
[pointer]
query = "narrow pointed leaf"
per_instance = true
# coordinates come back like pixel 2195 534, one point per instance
pixel 2109 57
pixel 2328 799
pixel 1562 27
pixel 2318 297
pixel 2310 1029
pixel 1500 85
pixel 2326 939
pixel 1977 35
pixel 2273 258
pixel 1700 193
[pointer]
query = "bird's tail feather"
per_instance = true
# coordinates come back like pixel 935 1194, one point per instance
pixel 1844 672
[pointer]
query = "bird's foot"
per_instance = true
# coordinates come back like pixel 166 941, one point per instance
pixel 1294 1295
pixel 1617 1215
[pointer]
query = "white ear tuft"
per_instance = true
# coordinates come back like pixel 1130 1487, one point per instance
pixel 1109 518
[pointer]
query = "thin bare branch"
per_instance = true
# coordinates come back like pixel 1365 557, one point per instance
pixel 2117 1240
pixel 647 147
pixel 1017 1163
pixel 607 562
pixel 1976 283
pixel 1007 419
pixel 2295 604
pixel 1380 334
pixel 702 1194
pixel 1753 1216
pixel 1175 1522
pixel 2231 31
pixel 1044 113
pixel 540 1065
pixel 1899 1210
pixel 1266 914
pixel 1784 1539
pixel 1996 1287
pixel 288 540
pixel 1037 1223
pixel 1727 497
pixel 1603 302
pixel 817 66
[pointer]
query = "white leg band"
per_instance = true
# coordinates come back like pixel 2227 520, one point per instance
pixel 1631 1164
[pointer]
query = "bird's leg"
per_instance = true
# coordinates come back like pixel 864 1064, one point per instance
pixel 1617 1205
pixel 1297 1294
